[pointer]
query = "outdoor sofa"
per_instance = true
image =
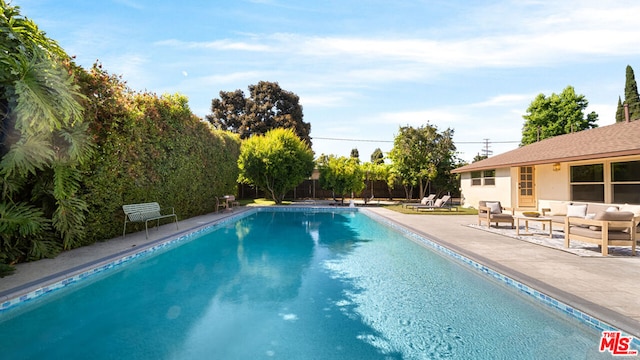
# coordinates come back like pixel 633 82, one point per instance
pixel 596 223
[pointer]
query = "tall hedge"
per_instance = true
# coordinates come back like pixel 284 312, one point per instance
pixel 152 148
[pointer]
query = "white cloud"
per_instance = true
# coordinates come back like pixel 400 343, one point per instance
pixel 505 100
pixel 225 44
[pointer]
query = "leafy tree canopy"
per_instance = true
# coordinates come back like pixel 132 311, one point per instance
pixel 420 155
pixel 555 115
pixel 275 162
pixel 479 157
pixel 377 157
pixel 342 175
pixel 267 107
pixel 355 154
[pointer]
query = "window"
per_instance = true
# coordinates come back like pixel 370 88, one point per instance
pixel 489 177
pixel 587 183
pixel 625 182
pixel 486 177
pixel 476 178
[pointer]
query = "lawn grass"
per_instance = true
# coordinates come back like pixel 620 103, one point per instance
pixel 261 202
pixel 398 208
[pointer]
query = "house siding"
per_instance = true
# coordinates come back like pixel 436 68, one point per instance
pixel 471 195
pixel 550 185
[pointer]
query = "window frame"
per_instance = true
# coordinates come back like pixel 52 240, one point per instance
pixel 574 184
pixel 483 177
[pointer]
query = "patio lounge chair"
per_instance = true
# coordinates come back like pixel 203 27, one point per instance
pixel 442 203
pixel 493 212
pixel 427 200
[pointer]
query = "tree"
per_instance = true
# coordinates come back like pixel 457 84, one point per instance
pixel 556 115
pixel 377 172
pixel 355 154
pixel 268 107
pixel 631 97
pixel 479 157
pixel 342 175
pixel 377 157
pixel 42 143
pixel 620 111
pixel 275 162
pixel 420 155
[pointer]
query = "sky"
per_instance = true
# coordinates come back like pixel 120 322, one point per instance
pixel 363 69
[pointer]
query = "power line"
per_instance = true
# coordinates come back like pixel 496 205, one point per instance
pixel 486 151
pixel 485 141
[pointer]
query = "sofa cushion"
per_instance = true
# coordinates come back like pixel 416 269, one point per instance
pixel 577 211
pixel 558 208
pixel 502 217
pixel 595 234
pixel 494 207
pixel 612 216
pixel 635 209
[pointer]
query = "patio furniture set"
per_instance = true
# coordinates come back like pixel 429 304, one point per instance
pixel 601 224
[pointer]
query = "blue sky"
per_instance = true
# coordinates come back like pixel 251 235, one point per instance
pixel 363 68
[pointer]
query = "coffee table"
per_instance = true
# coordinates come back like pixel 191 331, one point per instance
pixel 526 219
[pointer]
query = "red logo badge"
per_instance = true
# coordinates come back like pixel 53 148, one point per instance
pixel 618 345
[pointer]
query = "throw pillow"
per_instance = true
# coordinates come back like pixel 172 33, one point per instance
pixel 577 211
pixel 558 208
pixel 612 208
pixel 494 207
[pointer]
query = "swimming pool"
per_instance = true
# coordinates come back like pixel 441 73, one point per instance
pixel 309 284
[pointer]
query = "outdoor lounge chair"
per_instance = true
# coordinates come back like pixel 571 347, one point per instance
pixel 427 200
pixel 443 203
pixel 493 212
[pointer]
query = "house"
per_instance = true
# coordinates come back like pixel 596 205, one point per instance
pixel 595 165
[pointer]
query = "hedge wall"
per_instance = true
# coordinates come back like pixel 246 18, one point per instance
pixel 156 150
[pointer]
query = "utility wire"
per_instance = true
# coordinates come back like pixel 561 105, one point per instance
pixel 390 141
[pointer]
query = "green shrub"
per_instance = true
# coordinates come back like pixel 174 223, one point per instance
pixel 159 152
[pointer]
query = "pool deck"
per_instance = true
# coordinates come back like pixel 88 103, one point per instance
pixel 606 288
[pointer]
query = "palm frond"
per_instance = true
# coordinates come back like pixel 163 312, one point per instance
pixel 21 220
pixel 43 249
pixel 66 181
pixel 46 98
pixel 29 154
pixel 76 143
pixel 68 220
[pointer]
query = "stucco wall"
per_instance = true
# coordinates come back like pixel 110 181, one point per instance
pixel 550 184
pixel 501 191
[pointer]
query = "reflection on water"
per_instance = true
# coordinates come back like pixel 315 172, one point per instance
pixel 291 286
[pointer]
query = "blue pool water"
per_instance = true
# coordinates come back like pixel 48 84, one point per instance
pixel 293 285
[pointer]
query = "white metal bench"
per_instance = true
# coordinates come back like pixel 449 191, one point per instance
pixel 144 213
